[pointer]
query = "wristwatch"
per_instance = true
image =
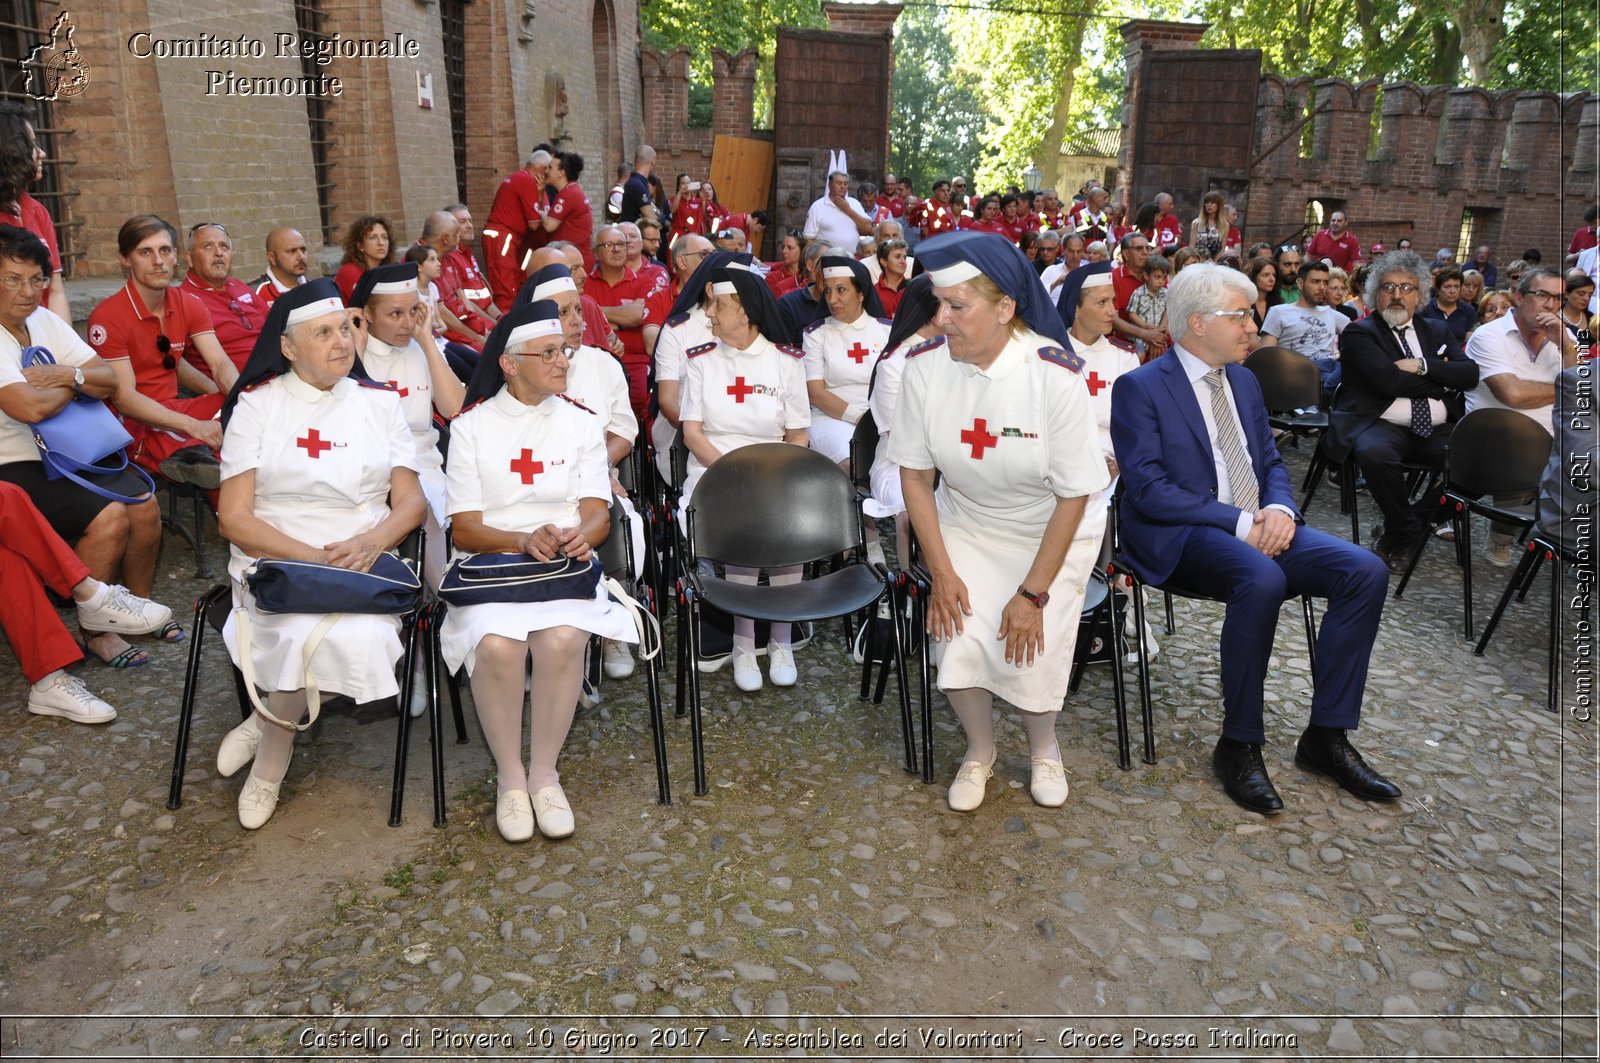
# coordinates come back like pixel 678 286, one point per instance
pixel 77 378
pixel 1040 600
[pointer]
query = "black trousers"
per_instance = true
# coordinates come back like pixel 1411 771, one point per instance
pixel 1379 450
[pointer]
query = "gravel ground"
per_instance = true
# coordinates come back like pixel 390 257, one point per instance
pixel 820 901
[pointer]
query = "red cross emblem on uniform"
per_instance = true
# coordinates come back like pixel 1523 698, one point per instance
pixel 403 391
pixel 1095 383
pixel 314 443
pixel 978 437
pixel 739 389
pixel 858 353
pixel 526 467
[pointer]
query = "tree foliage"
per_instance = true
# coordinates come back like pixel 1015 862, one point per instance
pixel 937 118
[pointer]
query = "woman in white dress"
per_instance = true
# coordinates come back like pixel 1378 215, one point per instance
pixel 528 475
pixel 741 390
pixel 1002 413
pixel 840 353
pixel 316 466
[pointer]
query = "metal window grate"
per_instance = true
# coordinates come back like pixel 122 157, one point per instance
pixel 453 20
pixel 311 22
pixel 23 25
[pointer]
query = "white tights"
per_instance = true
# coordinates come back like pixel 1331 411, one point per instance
pixel 497 690
pixel 974 707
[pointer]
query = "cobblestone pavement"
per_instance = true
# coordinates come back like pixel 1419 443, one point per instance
pixel 819 894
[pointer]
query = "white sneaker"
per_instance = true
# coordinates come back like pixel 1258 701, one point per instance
pixel 1049 783
pixel 419 694
pixel 746 672
pixel 780 665
pixel 552 813
pixel 967 792
pixel 257 801
pixel 617 659
pixel 69 698
pixel 124 613
pixel 513 815
pixel 238 747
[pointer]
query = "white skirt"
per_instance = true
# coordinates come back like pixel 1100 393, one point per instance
pixel 465 626
pixel 993 567
pixel 830 436
pixel 357 657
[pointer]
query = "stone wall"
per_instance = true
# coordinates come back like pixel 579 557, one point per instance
pixel 146 136
pixel 1402 160
pixel 681 148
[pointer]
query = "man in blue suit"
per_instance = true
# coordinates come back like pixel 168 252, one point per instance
pixel 1206 507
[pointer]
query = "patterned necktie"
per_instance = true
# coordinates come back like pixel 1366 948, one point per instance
pixel 1241 474
pixel 1421 416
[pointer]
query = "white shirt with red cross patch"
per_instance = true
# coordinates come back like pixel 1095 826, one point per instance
pixel 743 397
pixel 842 355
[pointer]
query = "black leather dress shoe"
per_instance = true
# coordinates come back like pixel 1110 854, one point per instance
pixel 1395 552
pixel 1328 752
pixel 1239 768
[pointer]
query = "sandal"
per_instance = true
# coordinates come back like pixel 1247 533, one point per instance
pixel 171 632
pixel 132 657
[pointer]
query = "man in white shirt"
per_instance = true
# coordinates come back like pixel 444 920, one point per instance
pixel 837 218
pixel 1309 327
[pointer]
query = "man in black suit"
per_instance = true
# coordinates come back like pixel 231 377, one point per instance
pixel 1402 390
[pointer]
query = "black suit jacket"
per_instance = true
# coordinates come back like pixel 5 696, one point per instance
pixel 1369 383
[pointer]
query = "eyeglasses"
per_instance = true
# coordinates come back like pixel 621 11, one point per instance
pixel 1230 313
pixel 164 345
pixel 549 357
pixel 1390 288
pixel 238 312
pixel 11 282
pixel 207 225
pixel 1549 297
pixel 611 245
pixel 684 256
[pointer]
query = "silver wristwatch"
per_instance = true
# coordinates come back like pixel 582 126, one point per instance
pixel 77 378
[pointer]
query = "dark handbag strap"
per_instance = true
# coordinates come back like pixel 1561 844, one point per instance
pixel 70 468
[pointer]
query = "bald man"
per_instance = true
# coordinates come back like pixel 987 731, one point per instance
pixel 287 260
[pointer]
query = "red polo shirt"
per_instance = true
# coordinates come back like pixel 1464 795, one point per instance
pixel 121 327
pixel 655 274
pixel 1342 250
pixel 36 220
pixel 267 291
pixel 631 286
pixel 513 214
pixel 1169 231
pixel 893 204
pixel 571 208
pixel 658 307
pixel 450 296
pixel 469 280
pixel 237 315
pixel 889 297
pixel 596 329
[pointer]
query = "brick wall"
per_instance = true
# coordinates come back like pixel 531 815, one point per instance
pixel 664 112
pixel 147 138
pixel 1523 162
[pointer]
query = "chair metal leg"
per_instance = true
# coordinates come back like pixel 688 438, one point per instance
pixel 1519 578
pixel 1416 555
pixel 658 727
pixel 696 725
pixel 191 679
pixel 397 793
pixel 1146 712
pixel 1116 640
pixel 1310 613
pixel 919 589
pixel 685 662
pixel 1464 537
pixel 1313 477
pixel 1347 495
pixel 907 736
pixel 1171 627
pixel 430 659
pixel 1527 583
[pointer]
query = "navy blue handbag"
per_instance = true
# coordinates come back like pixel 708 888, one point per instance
pixel 390 587
pixel 482 579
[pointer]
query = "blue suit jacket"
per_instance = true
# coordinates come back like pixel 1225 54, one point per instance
pixel 1169 479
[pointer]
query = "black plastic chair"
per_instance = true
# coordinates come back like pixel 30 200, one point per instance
pixel 1491 452
pixel 1291 389
pixel 863 452
pixel 1101 620
pixel 211 611
pixel 1541 548
pixel 771 505
pixel 1170 589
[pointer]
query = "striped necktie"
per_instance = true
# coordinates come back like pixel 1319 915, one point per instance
pixel 1241 474
pixel 1421 416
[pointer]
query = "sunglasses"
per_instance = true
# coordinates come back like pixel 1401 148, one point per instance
pixel 164 345
pixel 207 225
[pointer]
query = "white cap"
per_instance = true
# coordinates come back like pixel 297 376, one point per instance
pixel 548 326
pixel 316 309
pixel 724 288
pixel 838 271
pixel 553 287
pixel 1096 280
pixel 954 274
pixel 393 287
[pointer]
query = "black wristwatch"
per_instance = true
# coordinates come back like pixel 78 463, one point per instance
pixel 1040 600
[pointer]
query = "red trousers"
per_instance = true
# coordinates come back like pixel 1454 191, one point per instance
pixel 502 259
pixel 31 552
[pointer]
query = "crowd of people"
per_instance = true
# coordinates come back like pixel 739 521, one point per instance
pixel 1022 353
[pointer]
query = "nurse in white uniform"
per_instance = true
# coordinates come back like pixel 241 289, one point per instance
pixel 316 466
pixel 1001 411
pixel 841 351
pixel 742 390
pixel 686 326
pixel 528 474
pixel 396 347
pixel 597 380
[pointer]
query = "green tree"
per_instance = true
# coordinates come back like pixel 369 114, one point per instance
pixel 936 119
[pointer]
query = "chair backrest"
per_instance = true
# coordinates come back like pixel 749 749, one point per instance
pixel 1496 452
pixel 1289 381
pixel 863 450
pixel 773 504
pixel 614 551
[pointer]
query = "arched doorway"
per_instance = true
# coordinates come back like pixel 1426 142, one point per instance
pixel 608 116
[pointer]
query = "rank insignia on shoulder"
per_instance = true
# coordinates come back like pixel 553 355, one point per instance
pixel 884 320
pixel 792 352
pixel 1069 359
pixel 678 319
pixel 263 382
pixel 364 382
pixel 697 351
pixel 924 346
pixel 578 404
pixel 809 329
pixel 465 409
